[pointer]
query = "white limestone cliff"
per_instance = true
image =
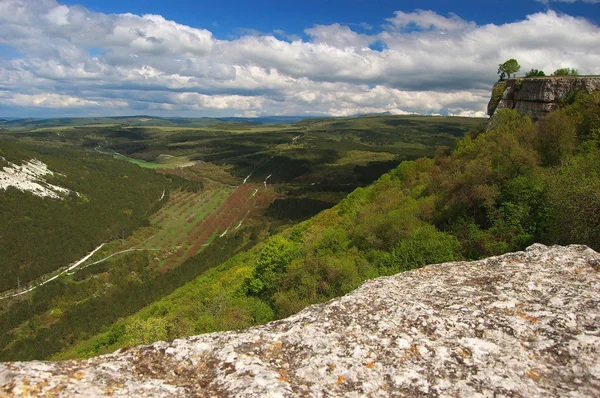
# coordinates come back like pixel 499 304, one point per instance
pixel 538 96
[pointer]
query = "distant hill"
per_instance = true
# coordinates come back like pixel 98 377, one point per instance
pixel 145 120
pixel 141 120
pixel 269 119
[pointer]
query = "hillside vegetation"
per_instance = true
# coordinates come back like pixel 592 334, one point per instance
pixel 39 235
pixel 227 188
pixel 500 190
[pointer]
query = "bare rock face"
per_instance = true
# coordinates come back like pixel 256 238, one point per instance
pixel 539 96
pixel 521 324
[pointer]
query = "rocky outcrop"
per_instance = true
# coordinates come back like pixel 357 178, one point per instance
pixel 30 176
pixel 521 324
pixel 541 95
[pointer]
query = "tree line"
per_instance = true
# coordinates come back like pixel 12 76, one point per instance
pixel 511 67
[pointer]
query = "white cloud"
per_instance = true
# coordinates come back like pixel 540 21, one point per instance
pixel 426 20
pixel 338 36
pixel 46 100
pixel 72 58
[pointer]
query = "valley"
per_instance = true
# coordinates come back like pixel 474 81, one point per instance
pixel 245 224
pixel 211 192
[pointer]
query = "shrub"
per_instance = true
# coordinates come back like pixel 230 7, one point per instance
pixel 565 72
pixel 147 331
pixel 555 138
pixel 272 261
pixel 426 246
pixel 535 73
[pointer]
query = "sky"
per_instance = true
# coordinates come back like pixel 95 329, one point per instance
pixel 263 58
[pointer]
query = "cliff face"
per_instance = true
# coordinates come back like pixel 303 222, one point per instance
pixel 521 324
pixel 538 96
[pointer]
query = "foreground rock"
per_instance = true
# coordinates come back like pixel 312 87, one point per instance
pixel 521 324
pixel 539 96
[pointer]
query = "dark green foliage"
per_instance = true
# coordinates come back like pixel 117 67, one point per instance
pixel 273 260
pixel 129 289
pixel 296 209
pixel 565 72
pixel 555 138
pixel 469 181
pixel 189 185
pixel 584 110
pixel 510 67
pixel 574 195
pixel 535 73
pixel 495 196
pixel 424 246
pixel 39 235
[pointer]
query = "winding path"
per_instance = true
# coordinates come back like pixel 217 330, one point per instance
pixel 73 266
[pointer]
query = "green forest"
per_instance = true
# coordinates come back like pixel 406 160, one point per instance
pixel 40 235
pixel 109 199
pixel 155 243
pixel 505 186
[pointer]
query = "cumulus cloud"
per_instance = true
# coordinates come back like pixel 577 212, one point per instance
pixel 48 100
pixel 423 19
pixel 68 57
pixel 338 36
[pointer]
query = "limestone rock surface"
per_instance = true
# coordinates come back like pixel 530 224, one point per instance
pixel 541 95
pixel 521 324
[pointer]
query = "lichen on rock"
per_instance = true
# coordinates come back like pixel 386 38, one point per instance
pixel 520 324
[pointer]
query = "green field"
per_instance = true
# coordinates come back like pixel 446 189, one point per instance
pixel 139 162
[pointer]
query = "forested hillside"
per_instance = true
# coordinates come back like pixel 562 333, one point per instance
pixel 500 190
pixel 109 199
pixel 236 186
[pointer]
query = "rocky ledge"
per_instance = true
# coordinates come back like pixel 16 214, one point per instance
pixel 520 324
pixel 539 96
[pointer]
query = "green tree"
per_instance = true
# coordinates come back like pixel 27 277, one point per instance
pixel 272 262
pixel 574 200
pixel 510 67
pixel 535 73
pixel 469 181
pixel 585 112
pixel 555 137
pixel 565 72
pixel 147 331
pixel 425 246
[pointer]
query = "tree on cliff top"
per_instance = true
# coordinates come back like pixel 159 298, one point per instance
pixel 565 72
pixel 510 67
pixel 535 73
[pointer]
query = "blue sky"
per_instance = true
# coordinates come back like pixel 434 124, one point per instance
pixel 253 58
pixel 224 18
